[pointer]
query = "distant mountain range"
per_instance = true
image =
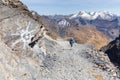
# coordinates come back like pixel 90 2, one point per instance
pixel 96 28
pixel 105 22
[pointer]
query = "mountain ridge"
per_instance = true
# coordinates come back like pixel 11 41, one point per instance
pixel 105 15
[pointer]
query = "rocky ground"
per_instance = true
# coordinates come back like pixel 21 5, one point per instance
pixel 61 62
pixel 27 53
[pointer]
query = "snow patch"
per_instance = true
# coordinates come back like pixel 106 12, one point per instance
pixel 64 23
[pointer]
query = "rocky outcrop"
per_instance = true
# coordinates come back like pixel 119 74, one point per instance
pixel 102 61
pixel 15 4
pixel 18 30
pixel 18 5
pixel 113 51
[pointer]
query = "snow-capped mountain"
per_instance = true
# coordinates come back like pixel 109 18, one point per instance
pixel 94 15
pixel 63 23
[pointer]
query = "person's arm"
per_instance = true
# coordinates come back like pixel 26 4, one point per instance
pixel 74 41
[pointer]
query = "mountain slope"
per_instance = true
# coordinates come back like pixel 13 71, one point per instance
pixel 71 28
pixel 88 35
pixel 28 53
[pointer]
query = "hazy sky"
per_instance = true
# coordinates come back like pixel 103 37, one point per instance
pixel 48 7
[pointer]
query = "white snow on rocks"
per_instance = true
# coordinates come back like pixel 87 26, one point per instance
pixel 64 23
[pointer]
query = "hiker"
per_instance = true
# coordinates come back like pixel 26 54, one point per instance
pixel 71 41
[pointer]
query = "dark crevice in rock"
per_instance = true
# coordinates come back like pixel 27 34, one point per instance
pixel 32 44
pixel 35 39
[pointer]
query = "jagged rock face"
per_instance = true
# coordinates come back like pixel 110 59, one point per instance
pixel 113 51
pixel 15 4
pixel 18 5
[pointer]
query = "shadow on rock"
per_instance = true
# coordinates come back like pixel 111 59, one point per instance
pixel 113 51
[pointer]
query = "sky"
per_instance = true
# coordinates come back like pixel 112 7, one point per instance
pixel 65 7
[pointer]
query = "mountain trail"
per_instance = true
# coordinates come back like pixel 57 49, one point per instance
pixel 67 63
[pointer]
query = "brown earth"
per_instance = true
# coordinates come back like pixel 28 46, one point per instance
pixel 88 35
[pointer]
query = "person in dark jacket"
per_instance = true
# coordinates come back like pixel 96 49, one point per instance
pixel 71 41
